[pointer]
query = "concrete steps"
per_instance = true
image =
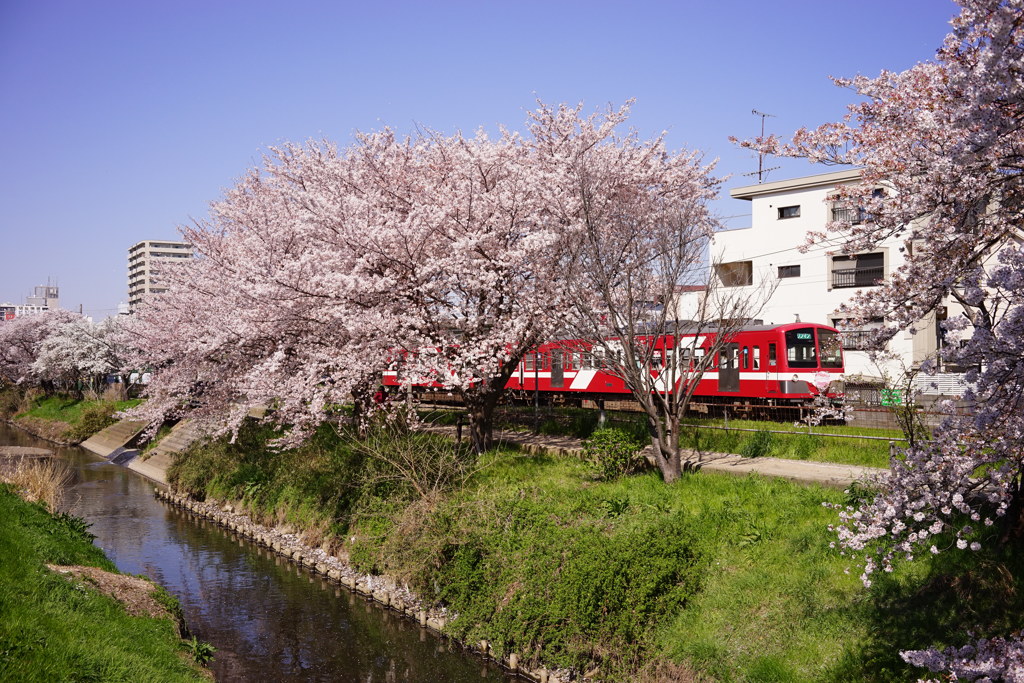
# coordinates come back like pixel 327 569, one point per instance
pixel 106 441
pixel 161 457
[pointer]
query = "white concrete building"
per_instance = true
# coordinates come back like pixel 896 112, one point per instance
pixel 812 285
pixel 43 298
pixel 144 261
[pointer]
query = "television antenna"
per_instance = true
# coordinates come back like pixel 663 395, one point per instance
pixel 761 170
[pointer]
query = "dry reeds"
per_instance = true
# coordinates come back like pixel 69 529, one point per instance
pixel 39 480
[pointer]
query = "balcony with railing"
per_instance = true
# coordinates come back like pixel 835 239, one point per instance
pixel 857 277
pixel 856 340
pixel 850 215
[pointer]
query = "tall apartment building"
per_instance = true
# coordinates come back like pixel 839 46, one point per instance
pixel 144 261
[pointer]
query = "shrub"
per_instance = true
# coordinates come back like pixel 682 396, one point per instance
pixel 570 596
pixel 613 452
pixel 11 401
pixel 759 444
pixel 94 418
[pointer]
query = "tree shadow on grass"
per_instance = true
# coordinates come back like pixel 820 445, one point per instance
pixel 961 591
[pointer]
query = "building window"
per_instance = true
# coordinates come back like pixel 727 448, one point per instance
pixel 789 211
pixel 861 270
pixel 736 273
pixel 789 271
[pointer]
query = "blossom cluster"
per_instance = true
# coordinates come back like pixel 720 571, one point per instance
pixel 984 661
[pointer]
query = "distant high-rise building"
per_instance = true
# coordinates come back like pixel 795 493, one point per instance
pixel 144 261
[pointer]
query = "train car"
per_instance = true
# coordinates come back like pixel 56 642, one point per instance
pixel 760 364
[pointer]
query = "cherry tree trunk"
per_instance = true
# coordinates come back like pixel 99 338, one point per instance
pixel 480 404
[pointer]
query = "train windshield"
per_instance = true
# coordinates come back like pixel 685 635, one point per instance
pixel 800 349
pixel 831 350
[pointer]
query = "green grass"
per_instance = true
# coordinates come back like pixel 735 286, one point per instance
pixel 54 630
pixel 72 410
pixel 731 577
pixel 798 443
pixel 76 419
pixel 315 486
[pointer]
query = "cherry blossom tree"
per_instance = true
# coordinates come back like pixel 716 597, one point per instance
pixel 20 341
pixel 430 251
pixel 941 146
pixel 642 228
pixel 465 239
pixel 445 256
pixel 78 353
pixel 260 320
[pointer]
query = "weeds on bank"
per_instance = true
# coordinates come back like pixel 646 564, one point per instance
pixel 201 652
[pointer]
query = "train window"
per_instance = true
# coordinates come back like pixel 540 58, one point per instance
pixel 528 362
pixel 657 358
pixel 746 358
pixel 831 351
pixel 772 354
pixel 800 349
pixel 757 357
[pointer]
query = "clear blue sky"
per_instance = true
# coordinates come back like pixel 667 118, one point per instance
pixel 123 120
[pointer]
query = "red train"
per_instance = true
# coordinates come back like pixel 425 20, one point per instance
pixel 761 364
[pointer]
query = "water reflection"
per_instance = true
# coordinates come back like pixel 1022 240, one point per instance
pixel 269 620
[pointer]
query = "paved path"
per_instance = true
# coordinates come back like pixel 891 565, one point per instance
pixel 804 471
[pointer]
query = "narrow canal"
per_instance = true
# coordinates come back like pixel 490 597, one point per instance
pixel 269 620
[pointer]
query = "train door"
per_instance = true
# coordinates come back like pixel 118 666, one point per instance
pixel 728 368
pixel 557 369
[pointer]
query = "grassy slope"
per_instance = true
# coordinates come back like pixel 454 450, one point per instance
pixel 51 630
pixel 75 419
pixel 733 577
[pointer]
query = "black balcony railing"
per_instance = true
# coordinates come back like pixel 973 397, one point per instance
pixel 858 277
